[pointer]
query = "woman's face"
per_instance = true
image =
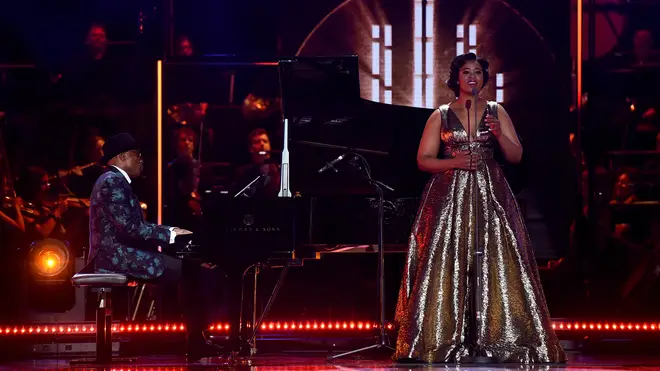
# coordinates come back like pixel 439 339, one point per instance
pixel 470 76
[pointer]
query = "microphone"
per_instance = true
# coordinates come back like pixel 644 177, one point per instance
pixel 331 164
pixel 468 104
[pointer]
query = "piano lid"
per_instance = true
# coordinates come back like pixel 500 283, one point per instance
pixel 325 89
pixel 327 118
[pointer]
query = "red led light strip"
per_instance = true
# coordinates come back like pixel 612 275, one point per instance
pixel 284 326
pixel 316 325
pixel 605 326
pixel 81 329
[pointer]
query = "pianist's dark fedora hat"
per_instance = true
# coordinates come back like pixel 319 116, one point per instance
pixel 117 144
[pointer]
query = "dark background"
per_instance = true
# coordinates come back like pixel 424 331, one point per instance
pixel 50 35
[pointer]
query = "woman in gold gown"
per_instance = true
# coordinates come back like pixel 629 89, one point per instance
pixel 433 307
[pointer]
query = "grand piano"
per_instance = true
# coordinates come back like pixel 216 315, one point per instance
pixel 335 210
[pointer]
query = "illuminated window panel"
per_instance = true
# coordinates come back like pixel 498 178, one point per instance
pixel 417 91
pixel 423 53
pixel 460 31
pixel 429 58
pixel 375 58
pixel 417 24
pixel 461 43
pixel 472 35
pixel 375 63
pixel 388 69
pixel 430 27
pixel 381 47
pixel 499 87
pixel 388 96
pixel 388 35
pixel 429 92
pixel 388 64
pixel 375 90
pixel 460 48
pixel 418 58
pixel 375 32
pixel 418 42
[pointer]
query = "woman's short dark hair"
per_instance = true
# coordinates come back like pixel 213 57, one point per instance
pixel 455 68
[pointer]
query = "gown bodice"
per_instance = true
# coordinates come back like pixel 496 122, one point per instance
pixel 454 135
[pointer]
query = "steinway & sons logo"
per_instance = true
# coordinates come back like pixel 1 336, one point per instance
pixel 248 226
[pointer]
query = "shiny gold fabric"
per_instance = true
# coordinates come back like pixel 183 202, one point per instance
pixel 433 307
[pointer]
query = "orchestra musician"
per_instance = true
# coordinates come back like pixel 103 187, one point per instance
pixel 10 214
pixel 122 241
pixel 260 165
pixel 12 229
pixel 433 310
pixel 81 178
pixel 184 47
pixel 643 49
pixel 626 100
pixel 183 200
pixel 43 215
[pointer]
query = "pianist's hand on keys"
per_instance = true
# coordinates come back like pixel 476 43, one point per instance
pixel 181 232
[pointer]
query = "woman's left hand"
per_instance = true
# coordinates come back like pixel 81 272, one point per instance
pixel 494 126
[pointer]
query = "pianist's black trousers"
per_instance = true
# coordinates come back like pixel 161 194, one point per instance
pixel 199 296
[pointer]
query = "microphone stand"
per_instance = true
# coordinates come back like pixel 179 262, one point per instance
pixel 242 191
pixel 383 340
pixel 477 353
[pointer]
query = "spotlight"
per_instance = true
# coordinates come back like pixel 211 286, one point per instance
pixel 50 268
pixel 49 260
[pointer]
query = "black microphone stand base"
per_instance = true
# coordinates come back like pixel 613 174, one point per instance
pixel 382 343
pixel 380 347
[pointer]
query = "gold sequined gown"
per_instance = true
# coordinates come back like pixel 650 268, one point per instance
pixel 433 308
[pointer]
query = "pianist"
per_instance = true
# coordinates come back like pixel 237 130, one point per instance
pixel 121 241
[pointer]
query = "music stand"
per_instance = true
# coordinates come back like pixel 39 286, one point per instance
pixel 320 99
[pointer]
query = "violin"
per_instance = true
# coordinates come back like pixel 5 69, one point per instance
pixel 78 203
pixel 27 209
pixel 81 203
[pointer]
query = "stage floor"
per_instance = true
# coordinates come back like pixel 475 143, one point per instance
pixel 318 362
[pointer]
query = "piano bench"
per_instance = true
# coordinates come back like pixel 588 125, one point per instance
pixel 99 280
pixel 103 284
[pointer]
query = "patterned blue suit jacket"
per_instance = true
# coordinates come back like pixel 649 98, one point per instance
pixel 120 240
